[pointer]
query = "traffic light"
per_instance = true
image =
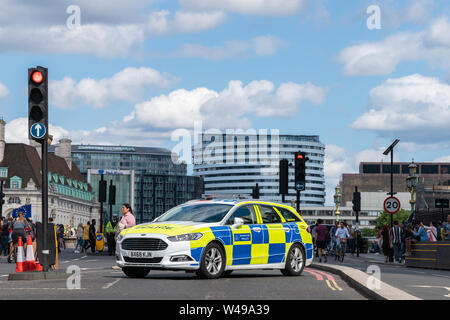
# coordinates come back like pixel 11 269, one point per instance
pixel 112 194
pixel 300 176
pixel 356 201
pixel 284 174
pixel 255 192
pixel 102 191
pixel 38 103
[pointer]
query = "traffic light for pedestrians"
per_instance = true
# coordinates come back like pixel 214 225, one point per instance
pixel 300 176
pixel 356 201
pixel 38 103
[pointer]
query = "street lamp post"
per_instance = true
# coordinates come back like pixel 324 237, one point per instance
pixel 337 200
pixel 412 181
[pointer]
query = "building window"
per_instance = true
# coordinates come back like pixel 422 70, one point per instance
pixel 16 182
pixel 3 172
pixel 371 168
pixel 430 169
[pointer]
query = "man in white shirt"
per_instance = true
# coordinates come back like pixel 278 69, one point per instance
pixel 342 233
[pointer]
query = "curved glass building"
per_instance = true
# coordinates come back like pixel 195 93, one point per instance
pixel 233 163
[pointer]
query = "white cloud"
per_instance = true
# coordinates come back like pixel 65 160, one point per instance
pixel 339 160
pixel 259 46
pixel 126 85
pixel 225 109
pixel 379 58
pixel 16 131
pixel 442 159
pixel 4 91
pixel 416 107
pixel 252 7
pixel 183 22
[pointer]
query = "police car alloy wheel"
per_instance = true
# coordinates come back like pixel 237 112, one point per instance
pixel 213 262
pixel 295 261
pixel 136 272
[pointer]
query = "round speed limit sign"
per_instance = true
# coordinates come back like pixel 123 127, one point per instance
pixel 391 205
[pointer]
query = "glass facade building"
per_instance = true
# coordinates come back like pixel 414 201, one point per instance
pixel 145 177
pixel 233 164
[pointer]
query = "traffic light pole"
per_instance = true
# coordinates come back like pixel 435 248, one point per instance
pixel 45 249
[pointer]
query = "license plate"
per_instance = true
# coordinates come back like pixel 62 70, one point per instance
pixel 140 254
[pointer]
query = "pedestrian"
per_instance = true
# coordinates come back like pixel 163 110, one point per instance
pixel 446 229
pixel 341 236
pixel 421 233
pixel 87 243
pixel 431 232
pixel 127 221
pixel 80 241
pixel 395 236
pixel 111 229
pixel 351 239
pixel 409 236
pixel 386 242
pixel 92 235
pixel 320 240
pixel 4 237
pixel 332 236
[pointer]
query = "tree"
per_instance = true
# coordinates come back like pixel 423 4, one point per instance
pixel 385 218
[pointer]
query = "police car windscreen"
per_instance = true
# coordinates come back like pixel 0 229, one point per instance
pixel 197 213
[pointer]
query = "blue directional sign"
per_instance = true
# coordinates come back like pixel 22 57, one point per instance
pixel 38 130
pixel 300 186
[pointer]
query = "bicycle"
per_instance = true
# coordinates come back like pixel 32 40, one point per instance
pixel 340 252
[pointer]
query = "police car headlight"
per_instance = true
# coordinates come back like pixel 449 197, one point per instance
pixel 186 237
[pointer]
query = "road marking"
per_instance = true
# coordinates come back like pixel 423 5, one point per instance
pixel 317 275
pixel 448 288
pixel 328 283
pixel 330 278
pixel 109 285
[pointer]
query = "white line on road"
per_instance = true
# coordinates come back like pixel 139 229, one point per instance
pixel 109 285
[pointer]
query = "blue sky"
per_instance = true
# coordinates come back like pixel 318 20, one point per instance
pixel 134 71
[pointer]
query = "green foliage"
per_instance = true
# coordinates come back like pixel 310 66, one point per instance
pixel 385 218
pixel 368 232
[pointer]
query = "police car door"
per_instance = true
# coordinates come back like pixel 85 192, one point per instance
pixel 274 234
pixel 243 236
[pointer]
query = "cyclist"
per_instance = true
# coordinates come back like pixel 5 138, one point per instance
pixel 341 236
pixel 18 227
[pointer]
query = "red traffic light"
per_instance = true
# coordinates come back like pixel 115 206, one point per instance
pixel 37 77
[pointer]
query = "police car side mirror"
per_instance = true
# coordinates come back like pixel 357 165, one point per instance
pixel 238 222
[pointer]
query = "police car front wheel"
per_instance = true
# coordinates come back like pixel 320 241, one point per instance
pixel 136 272
pixel 295 261
pixel 212 263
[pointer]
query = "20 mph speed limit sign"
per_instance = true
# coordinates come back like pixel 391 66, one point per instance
pixel 391 205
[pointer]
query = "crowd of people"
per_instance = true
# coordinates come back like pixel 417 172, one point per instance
pixel 13 228
pixel 398 239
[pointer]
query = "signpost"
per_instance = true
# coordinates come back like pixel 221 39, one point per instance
pixel 391 205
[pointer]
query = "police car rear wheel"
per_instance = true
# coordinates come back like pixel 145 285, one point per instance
pixel 212 263
pixel 136 272
pixel 295 261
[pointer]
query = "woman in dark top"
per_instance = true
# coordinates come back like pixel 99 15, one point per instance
pixel 386 242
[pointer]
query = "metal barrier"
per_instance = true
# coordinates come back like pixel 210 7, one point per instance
pixel 433 255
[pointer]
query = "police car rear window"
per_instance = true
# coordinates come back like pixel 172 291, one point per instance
pixel 197 213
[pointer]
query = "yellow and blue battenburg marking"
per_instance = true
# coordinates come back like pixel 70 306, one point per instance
pixel 254 243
